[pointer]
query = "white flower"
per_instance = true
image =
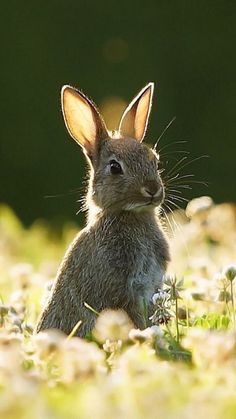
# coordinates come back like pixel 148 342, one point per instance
pixel 48 342
pixel 161 316
pixel 160 296
pixel 147 334
pixel 210 347
pixel 80 358
pixel 112 325
pixel 198 206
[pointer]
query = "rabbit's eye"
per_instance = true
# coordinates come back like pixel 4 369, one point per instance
pixel 115 168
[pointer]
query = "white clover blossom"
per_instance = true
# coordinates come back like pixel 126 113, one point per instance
pixel 21 270
pixel 173 286
pixel 112 346
pixel 162 302
pixel 160 296
pixel 113 325
pixel 48 342
pixel 148 334
pixel 198 205
pixel 80 359
pixel 164 299
pixel 161 316
pixel 221 346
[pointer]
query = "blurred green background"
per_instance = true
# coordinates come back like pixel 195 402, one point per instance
pixel 110 49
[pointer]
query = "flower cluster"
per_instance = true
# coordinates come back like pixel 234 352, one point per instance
pixel 162 305
pixel 120 370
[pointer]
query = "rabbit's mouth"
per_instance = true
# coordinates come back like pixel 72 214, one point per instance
pixel 147 203
pixel 144 206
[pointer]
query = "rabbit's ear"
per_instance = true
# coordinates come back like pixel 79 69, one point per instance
pixel 82 119
pixel 135 118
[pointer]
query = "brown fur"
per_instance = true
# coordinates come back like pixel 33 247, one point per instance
pixel 119 258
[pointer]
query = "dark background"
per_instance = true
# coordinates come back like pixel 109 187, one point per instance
pixel 110 50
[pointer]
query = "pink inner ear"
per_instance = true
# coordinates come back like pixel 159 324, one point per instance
pixel 135 118
pixel 142 114
pixel 79 117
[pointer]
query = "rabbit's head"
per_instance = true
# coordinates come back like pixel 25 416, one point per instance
pixel 124 171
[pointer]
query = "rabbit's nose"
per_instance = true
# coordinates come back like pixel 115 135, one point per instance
pixel 151 188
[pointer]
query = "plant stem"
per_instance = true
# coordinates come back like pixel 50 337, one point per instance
pixel 145 312
pixel 169 331
pixel 232 300
pixel 91 308
pixel 187 315
pixel 176 319
pixel 74 330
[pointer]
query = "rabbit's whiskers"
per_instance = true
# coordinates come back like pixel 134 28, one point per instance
pixel 163 132
pixel 171 144
pixel 63 194
pixel 177 167
pixel 167 219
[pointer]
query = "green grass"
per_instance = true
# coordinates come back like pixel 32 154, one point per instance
pixel 182 369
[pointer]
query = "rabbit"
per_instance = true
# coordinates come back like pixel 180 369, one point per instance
pixel 118 260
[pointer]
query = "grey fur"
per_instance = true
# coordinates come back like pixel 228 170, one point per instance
pixel 118 260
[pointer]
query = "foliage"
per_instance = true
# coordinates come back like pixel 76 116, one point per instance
pixel 174 368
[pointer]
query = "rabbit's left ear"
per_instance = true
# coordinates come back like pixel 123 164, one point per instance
pixel 135 117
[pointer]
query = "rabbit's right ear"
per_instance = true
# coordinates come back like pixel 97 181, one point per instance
pixel 82 119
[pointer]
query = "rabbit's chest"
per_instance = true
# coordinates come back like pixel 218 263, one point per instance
pixel 147 277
